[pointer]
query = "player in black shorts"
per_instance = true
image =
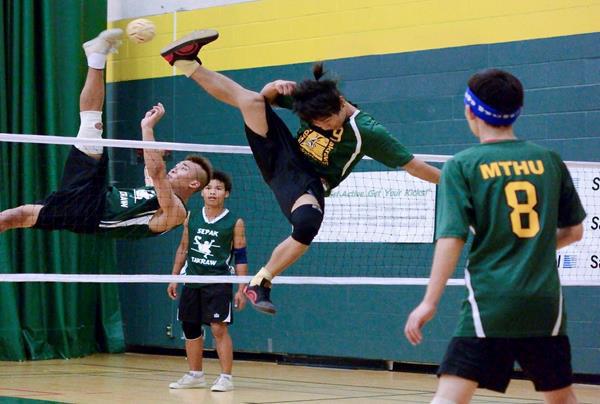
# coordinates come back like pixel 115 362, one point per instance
pixel 85 203
pixel 521 203
pixel 333 137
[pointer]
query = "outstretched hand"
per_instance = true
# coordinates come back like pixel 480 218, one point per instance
pixel 153 116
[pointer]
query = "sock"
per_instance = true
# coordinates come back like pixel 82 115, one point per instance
pixel 262 274
pixel 90 128
pixel 97 61
pixel 226 376
pixel 196 373
pixel 187 67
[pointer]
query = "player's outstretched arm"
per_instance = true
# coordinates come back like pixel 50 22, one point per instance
pixel 445 258
pixel 420 169
pixel 173 211
pixel 241 261
pixel 180 257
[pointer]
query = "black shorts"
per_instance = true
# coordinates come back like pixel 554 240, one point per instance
pixel 546 361
pixel 207 304
pixel 79 202
pixel 282 165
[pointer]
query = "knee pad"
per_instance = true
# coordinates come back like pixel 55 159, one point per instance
pixel 306 220
pixel 90 128
pixel 192 330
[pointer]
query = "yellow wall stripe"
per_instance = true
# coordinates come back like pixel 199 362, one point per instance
pixel 279 32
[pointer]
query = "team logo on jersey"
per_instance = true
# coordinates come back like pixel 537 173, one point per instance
pixel 144 194
pixel 204 246
pixel 316 146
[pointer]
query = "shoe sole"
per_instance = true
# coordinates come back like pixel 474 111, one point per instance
pixel 203 36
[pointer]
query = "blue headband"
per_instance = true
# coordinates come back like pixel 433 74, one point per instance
pixel 487 113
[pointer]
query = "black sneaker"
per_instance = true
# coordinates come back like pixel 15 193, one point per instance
pixel 187 48
pixel 259 296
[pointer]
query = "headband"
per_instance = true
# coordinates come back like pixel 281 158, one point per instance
pixel 487 113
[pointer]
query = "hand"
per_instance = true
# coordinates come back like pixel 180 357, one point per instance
pixel 416 320
pixel 172 290
pixel 153 116
pixel 239 300
pixel 284 87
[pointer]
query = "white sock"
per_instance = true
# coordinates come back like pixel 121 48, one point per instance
pixel 196 373
pixel 260 275
pixel 97 61
pixel 90 128
pixel 226 376
pixel 187 67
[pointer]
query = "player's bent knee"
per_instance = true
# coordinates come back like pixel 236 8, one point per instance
pixel 192 330
pixel 306 220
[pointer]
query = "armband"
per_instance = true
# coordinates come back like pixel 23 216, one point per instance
pixel 240 255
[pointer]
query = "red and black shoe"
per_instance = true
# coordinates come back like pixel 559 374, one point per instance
pixel 187 48
pixel 260 297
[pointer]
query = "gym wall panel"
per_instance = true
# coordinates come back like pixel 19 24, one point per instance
pixel 405 62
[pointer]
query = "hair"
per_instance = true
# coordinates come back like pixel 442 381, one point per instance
pixel 498 89
pixel 224 178
pixel 206 166
pixel 316 99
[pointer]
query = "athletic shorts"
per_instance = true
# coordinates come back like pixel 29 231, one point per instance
pixel 546 361
pixel 282 165
pixel 79 202
pixel 207 304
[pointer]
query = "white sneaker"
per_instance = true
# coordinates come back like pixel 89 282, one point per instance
pixel 222 384
pixel 189 382
pixel 106 42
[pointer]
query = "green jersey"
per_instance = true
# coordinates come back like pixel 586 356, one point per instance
pixel 334 154
pixel 514 195
pixel 210 245
pixel 128 212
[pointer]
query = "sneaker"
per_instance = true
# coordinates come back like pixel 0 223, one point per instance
pixel 189 382
pixel 222 384
pixel 106 42
pixel 259 296
pixel 187 48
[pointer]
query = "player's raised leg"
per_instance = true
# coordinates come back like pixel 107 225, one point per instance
pixel 91 99
pixel 183 54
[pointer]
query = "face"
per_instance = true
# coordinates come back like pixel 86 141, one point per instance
pixel 186 173
pixel 214 194
pixel 332 122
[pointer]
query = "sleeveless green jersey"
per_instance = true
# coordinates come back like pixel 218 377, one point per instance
pixel 334 154
pixel 127 212
pixel 210 245
pixel 514 195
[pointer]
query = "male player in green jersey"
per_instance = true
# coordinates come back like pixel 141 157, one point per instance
pixel 521 203
pixel 84 203
pixel 210 240
pixel 300 171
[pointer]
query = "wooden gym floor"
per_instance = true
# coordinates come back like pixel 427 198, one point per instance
pixel 136 378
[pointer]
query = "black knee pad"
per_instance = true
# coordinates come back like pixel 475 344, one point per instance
pixel 306 220
pixel 192 330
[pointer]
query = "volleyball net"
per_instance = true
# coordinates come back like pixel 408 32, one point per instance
pixel 378 228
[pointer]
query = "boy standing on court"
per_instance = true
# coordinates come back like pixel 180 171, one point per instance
pixel 210 239
pixel 522 205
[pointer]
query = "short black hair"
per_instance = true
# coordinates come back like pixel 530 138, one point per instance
pixel 224 178
pixel 499 89
pixel 316 99
pixel 206 166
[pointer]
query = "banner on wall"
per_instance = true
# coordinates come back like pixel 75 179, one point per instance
pixel 580 262
pixel 379 207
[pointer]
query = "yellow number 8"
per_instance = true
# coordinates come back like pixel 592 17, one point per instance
pixel 526 208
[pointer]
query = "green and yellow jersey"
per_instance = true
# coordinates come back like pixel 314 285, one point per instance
pixel 334 154
pixel 514 195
